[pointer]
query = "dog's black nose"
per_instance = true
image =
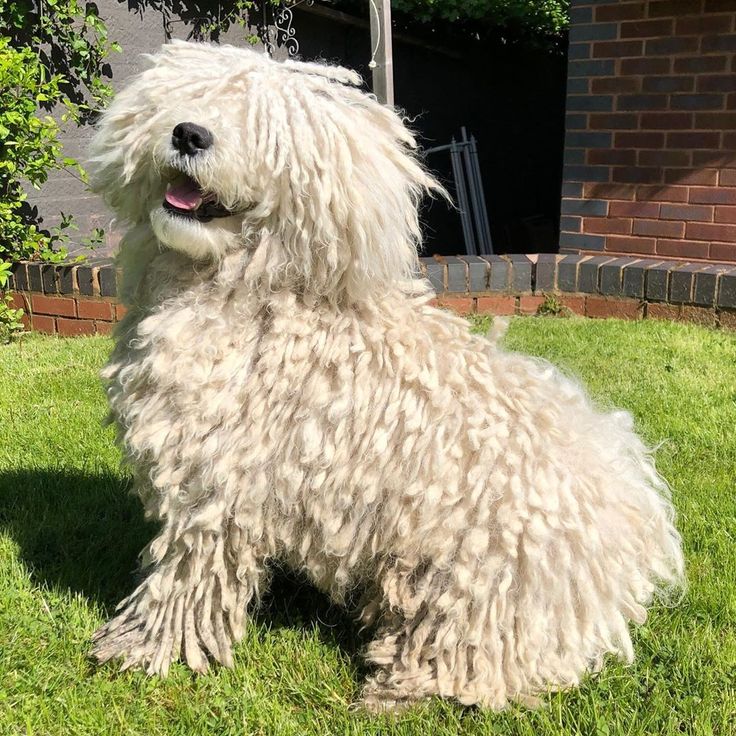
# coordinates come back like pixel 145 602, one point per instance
pixel 190 138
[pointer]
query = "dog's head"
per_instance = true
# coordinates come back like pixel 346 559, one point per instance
pixel 221 148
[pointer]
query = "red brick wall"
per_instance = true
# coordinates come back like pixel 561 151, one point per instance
pixel 67 315
pixel 650 148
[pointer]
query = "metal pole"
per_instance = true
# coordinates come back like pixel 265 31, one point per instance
pixel 382 51
pixel 475 188
pixel 485 230
pixel 462 199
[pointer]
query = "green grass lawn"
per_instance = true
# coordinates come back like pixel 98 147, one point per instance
pixel 69 537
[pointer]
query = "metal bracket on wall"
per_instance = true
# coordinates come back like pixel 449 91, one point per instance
pixel 471 200
pixel 275 29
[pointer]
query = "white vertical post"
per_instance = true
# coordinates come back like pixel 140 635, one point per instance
pixel 382 51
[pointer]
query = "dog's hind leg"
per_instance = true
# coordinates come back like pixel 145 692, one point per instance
pixel 433 638
pixel 192 603
pixel 430 655
pixel 417 633
pixel 402 675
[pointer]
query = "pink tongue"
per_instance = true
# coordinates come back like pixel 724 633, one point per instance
pixel 186 196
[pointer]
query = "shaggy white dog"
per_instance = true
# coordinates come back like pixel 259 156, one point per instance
pixel 284 391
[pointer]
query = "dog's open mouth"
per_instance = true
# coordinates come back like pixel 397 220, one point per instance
pixel 186 198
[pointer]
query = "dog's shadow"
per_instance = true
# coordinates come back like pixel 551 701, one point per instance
pixel 83 531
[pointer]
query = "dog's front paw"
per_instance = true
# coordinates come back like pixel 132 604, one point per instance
pixel 148 635
pixel 377 696
pixel 121 638
pixel 377 705
pixel 136 642
pixel 151 632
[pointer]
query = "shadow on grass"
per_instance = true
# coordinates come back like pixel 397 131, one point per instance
pixel 83 531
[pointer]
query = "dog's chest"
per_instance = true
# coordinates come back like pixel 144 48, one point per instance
pixel 207 380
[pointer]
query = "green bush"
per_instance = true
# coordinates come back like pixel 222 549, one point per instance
pixel 538 16
pixel 52 54
pixel 10 318
pixel 535 23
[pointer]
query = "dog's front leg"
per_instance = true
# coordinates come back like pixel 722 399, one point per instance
pixel 192 602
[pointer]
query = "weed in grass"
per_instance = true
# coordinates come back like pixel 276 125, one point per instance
pixel 553 307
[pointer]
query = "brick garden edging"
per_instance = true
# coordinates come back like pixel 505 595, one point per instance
pixel 81 300
pixel 67 300
pixel 626 287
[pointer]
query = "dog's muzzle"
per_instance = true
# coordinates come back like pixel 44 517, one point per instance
pixel 186 197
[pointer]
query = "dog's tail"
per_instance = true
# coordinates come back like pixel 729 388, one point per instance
pixel 499 328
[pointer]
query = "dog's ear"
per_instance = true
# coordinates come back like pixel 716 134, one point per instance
pixel 341 184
